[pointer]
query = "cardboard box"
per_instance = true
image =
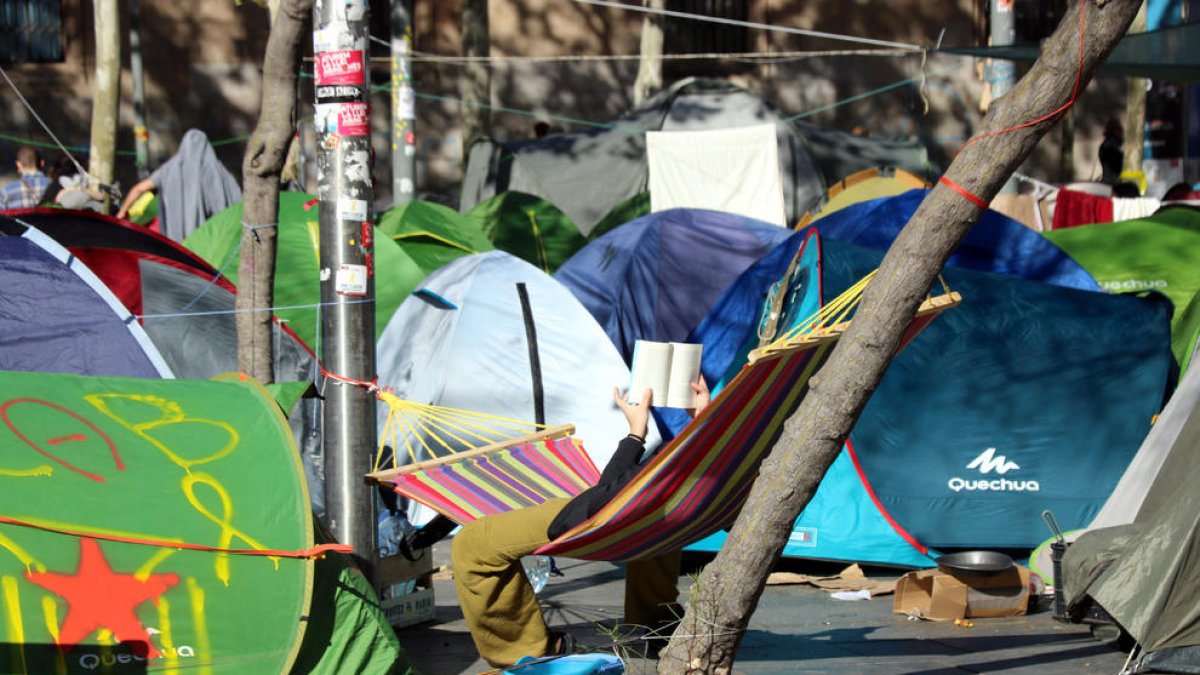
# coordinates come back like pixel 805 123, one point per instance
pixel 940 596
pixel 406 589
pixel 410 609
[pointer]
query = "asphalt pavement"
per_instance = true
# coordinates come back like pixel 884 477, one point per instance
pixel 795 629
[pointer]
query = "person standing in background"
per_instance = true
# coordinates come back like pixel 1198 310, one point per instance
pixel 1112 155
pixel 26 191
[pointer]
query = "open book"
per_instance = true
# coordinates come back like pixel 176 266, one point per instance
pixel 667 368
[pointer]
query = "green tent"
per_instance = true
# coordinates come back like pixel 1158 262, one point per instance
pixel 163 524
pixel 631 209
pixel 1157 253
pixel 432 234
pixel 297 275
pixel 528 227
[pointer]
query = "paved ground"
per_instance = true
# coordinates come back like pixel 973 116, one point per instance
pixel 795 629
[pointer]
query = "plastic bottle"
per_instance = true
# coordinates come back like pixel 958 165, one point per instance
pixel 537 570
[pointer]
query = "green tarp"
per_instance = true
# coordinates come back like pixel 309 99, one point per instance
pixel 107 484
pixel 1158 253
pixel 297 274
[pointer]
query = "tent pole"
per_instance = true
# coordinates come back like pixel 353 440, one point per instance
pixel 346 196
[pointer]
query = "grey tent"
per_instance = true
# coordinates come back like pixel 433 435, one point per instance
pixel 1146 574
pixel 589 173
pixel 1137 481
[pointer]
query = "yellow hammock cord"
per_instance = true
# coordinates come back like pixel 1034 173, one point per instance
pixel 432 428
pixel 836 311
pixel 424 427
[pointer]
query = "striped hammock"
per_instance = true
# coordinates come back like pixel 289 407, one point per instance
pixel 693 487
pixel 697 484
pixel 499 477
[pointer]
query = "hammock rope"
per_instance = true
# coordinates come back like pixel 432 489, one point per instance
pixel 428 431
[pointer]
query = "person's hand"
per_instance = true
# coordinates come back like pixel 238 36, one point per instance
pixel 638 415
pixel 700 396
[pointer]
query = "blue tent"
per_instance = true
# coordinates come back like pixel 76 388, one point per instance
pixel 655 277
pixel 1027 396
pixel 58 317
pixel 996 243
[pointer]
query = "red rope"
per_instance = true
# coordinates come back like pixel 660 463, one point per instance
pixel 972 197
pixel 314 552
pixel 967 194
pixel 1074 91
pixel 371 386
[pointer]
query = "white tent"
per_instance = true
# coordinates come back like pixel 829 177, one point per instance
pixel 460 342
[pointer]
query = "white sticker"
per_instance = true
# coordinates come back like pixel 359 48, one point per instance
pixel 352 209
pixel 351 280
pixel 326 39
pixel 406 108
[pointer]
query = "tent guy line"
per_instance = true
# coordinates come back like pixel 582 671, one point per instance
pixel 751 24
pixel 249 310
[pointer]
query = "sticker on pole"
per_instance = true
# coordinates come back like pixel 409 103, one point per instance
pixel 343 119
pixel 340 67
pixel 351 280
pixel 352 209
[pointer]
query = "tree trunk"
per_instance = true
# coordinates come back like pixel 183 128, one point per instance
pixel 476 80
pixel 107 95
pixel 261 169
pixel 1066 148
pixel 723 598
pixel 649 76
pixel 1135 110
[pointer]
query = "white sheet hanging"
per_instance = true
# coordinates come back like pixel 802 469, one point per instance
pixel 734 170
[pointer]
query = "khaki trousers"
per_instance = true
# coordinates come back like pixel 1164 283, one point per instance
pixel 498 603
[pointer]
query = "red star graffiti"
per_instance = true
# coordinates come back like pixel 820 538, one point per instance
pixel 97 597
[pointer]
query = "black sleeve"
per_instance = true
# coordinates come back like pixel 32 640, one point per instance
pixel 620 470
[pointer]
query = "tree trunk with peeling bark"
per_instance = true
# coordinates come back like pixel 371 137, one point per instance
pixel 261 169
pixel 725 595
pixel 106 97
pixel 649 76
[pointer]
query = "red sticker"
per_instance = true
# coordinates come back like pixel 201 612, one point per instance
pixel 345 67
pixel 354 119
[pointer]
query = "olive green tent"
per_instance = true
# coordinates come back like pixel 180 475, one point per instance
pixel 297 274
pixel 1146 574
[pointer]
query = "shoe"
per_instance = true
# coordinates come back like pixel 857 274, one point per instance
pixel 560 644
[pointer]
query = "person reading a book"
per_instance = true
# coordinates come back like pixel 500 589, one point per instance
pixel 498 602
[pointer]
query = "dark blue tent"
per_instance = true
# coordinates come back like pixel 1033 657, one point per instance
pixel 996 243
pixel 1027 396
pixel 56 316
pixel 655 277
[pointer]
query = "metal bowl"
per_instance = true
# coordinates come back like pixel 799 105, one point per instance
pixel 975 562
